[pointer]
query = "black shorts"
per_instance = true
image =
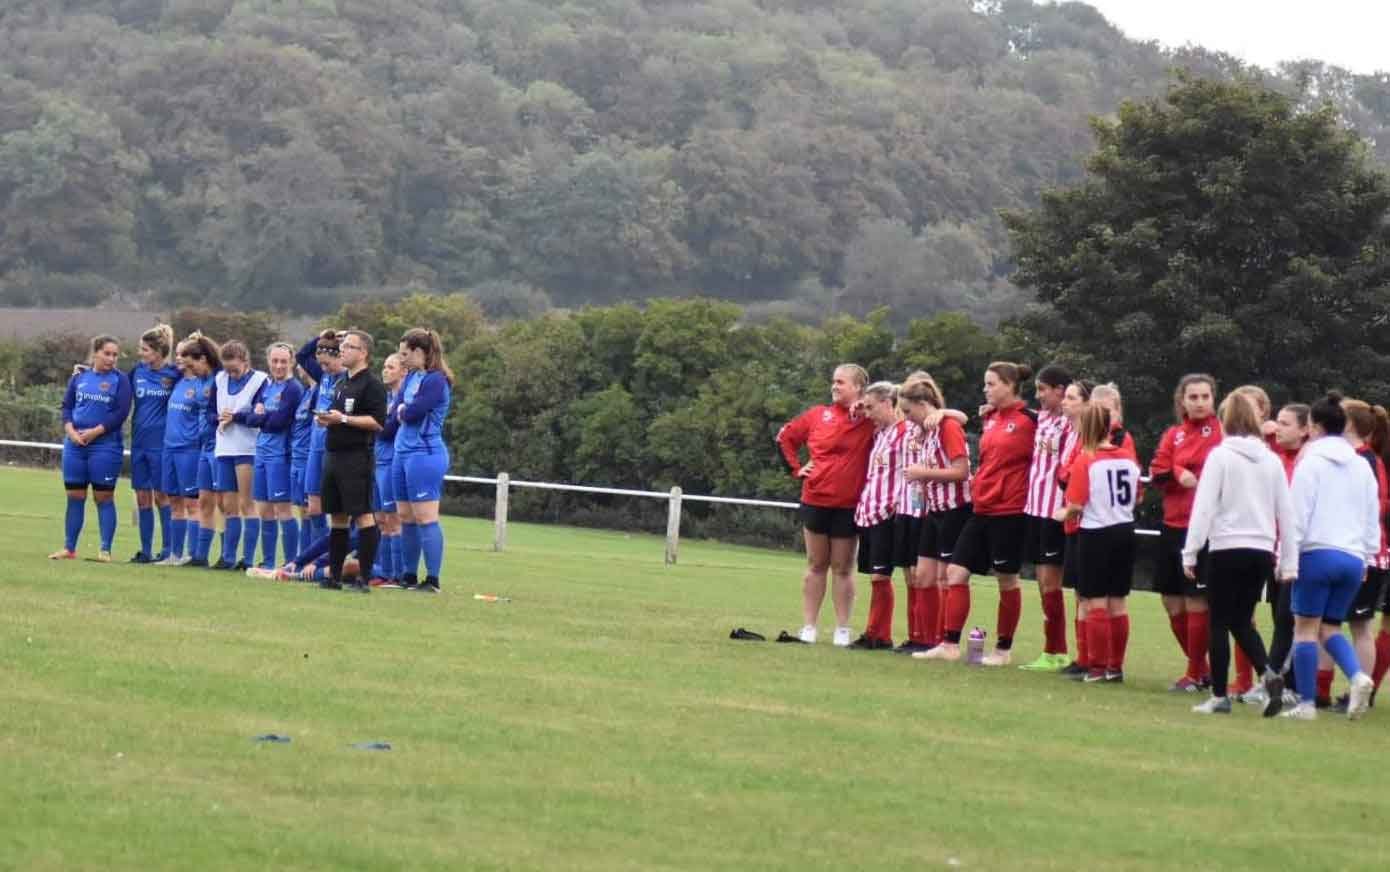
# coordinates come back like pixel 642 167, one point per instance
pixel 1046 538
pixel 1071 561
pixel 1106 561
pixel 992 543
pixel 835 523
pixel 1370 597
pixel 349 480
pixel 876 548
pixel 907 532
pixel 1169 579
pixel 941 531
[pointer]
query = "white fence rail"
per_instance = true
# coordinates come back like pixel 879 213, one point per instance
pixel 504 483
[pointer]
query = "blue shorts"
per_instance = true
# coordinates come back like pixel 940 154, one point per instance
pixel 91 465
pixel 146 468
pixel 270 480
pixel 297 495
pixel 1327 584
pixel 179 472
pixel 313 473
pixel 207 477
pixel 419 478
pixel 224 472
pixel 384 494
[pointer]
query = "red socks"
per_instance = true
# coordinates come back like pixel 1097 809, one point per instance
pixel 1382 657
pixel 881 610
pixel 1178 624
pixel 914 613
pixel 1325 683
pixel 1010 609
pixel 957 609
pixel 1119 641
pixel 1098 637
pixel 1054 608
pixel 1082 649
pixel 939 633
pixel 932 613
pixel 1245 673
pixel 1198 632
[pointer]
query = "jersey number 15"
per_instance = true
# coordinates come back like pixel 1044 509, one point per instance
pixel 1121 489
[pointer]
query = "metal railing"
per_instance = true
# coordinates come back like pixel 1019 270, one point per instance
pixel 504 483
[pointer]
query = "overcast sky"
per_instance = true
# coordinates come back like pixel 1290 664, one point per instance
pixel 1348 33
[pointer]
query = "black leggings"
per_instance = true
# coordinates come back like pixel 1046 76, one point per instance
pixel 1235 578
pixel 1281 643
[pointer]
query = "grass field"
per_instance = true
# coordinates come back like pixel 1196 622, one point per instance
pixel 603 720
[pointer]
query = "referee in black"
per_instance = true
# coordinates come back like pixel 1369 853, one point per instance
pixel 349 463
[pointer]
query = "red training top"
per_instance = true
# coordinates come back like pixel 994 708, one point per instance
pixel 1000 486
pixel 839 444
pixel 1183 447
pixel 1382 558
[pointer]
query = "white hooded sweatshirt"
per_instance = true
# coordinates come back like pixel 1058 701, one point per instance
pixel 1335 499
pixel 1243 501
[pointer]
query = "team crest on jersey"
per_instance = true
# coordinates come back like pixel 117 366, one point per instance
pixel 1206 431
pixel 1011 427
pixel 188 394
pixel 104 386
pixel 827 416
pixel 140 391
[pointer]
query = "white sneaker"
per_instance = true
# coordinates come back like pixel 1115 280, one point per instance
pixel 996 658
pixel 1304 711
pixel 1216 705
pixel 808 634
pixel 1254 696
pixel 1290 698
pixel 945 651
pixel 171 560
pixel 258 572
pixel 842 638
pixel 1359 696
pixel 184 560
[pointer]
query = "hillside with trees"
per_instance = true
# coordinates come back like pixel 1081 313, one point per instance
pixel 798 157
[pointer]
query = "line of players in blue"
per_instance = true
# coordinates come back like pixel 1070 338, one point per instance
pixel 209 431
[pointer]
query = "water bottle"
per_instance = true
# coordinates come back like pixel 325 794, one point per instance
pixel 975 647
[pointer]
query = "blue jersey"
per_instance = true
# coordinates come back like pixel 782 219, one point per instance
pixel 207 431
pixel 303 429
pixel 96 398
pixel 425 399
pixel 152 388
pixel 183 426
pixel 386 440
pixel 319 440
pixel 280 400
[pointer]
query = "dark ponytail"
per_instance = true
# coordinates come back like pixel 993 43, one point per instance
pixel 1328 414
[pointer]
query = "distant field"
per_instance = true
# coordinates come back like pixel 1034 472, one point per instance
pixel 18 323
pixel 603 720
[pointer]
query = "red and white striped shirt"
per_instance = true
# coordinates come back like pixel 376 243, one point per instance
pixel 881 484
pixel 1053 437
pixel 911 500
pixel 944 445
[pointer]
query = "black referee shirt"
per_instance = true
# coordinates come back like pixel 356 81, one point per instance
pixel 362 394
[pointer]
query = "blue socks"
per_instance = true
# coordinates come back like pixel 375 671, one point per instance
pixel 175 541
pixel 166 521
pixel 432 545
pixel 231 538
pixel 1345 655
pixel 270 537
pixel 391 556
pixel 251 528
pixel 106 522
pixel 318 524
pixel 73 521
pixel 306 533
pixel 289 531
pixel 204 541
pixel 410 549
pixel 147 531
pixel 1305 666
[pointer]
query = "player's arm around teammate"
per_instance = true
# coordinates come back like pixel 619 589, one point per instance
pixel 874 514
pixel 422 456
pixel 272 416
pixel 1046 536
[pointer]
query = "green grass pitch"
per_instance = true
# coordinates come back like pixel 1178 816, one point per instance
pixel 603 720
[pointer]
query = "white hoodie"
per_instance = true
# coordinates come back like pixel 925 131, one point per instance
pixel 1335 499
pixel 1243 501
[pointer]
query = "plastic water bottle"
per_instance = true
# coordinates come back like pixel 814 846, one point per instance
pixel 975 647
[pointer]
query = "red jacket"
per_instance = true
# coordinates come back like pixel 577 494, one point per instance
pixel 1000 485
pixel 1183 447
pixel 839 445
pixel 1382 559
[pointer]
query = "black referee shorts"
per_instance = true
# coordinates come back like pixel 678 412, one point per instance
pixel 349 479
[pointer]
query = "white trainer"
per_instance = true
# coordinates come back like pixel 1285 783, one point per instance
pixel 945 651
pixel 184 560
pixel 1216 705
pixel 259 572
pixel 842 638
pixel 171 560
pixel 996 658
pixel 1359 696
pixel 1304 711
pixel 808 634
pixel 1254 696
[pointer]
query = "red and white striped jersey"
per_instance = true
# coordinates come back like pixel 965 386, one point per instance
pixel 1053 437
pixel 943 445
pixel 880 491
pixel 912 497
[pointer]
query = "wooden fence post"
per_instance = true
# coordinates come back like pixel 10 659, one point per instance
pixel 499 521
pixel 673 526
